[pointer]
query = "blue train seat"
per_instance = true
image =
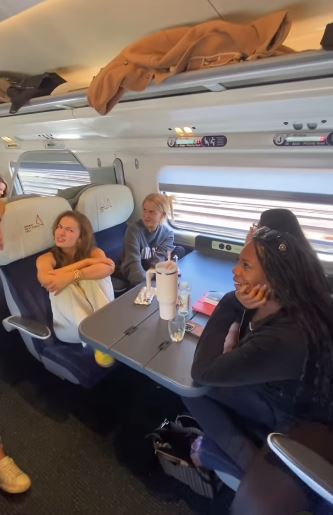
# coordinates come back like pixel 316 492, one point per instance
pixel 108 208
pixel 27 227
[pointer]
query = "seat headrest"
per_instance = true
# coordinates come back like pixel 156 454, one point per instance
pixel 72 194
pixel 27 226
pixel 106 205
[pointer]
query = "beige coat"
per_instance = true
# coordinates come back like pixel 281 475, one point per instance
pixel 171 51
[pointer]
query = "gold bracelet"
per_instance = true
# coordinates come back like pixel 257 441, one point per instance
pixel 77 276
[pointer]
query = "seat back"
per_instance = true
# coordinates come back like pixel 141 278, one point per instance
pixel 308 454
pixel 72 194
pixel 108 208
pixel 27 230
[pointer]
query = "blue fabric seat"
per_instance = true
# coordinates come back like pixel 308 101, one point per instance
pixel 108 207
pixel 27 227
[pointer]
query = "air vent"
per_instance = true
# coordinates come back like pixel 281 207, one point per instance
pixel 46 136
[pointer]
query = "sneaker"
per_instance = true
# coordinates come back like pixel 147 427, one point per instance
pixel 103 360
pixel 12 479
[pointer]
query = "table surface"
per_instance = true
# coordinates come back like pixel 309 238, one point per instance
pixel 137 336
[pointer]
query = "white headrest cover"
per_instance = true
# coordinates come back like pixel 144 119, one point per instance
pixel 106 205
pixel 27 226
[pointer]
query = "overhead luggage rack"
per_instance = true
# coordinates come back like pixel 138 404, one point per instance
pixel 273 70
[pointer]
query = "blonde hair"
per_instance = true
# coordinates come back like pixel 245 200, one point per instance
pixel 162 202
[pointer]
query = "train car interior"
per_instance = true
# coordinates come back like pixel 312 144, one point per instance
pixel 226 139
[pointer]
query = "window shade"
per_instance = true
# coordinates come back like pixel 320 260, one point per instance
pixel 231 214
pixel 44 173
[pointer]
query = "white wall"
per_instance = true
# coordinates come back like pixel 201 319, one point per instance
pixel 240 167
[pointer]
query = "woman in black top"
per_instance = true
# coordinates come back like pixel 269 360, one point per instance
pixel 280 369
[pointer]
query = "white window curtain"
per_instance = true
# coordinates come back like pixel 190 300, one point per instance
pixel 45 173
pixel 230 214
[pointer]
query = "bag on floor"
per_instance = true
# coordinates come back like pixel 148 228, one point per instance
pixel 172 445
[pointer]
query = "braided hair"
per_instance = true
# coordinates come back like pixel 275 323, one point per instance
pixel 300 286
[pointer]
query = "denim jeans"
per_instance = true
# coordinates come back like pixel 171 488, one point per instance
pixel 211 457
pixel 235 422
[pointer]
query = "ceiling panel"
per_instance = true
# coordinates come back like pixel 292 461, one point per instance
pixel 10 8
pixel 78 37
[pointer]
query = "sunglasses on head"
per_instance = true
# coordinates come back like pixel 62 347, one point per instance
pixel 271 235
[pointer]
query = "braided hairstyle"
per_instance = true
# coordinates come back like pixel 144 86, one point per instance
pixel 299 285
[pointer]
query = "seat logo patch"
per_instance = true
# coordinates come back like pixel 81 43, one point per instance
pixel 105 205
pixel 30 227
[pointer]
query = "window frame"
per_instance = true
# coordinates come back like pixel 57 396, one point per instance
pixel 69 166
pixel 323 247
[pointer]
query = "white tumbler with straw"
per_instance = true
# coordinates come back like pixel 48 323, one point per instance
pixel 166 287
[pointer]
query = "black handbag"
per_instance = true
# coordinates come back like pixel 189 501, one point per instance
pixel 21 91
pixel 172 445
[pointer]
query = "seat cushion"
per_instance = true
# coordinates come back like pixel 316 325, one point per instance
pixel 33 302
pixel 78 360
pixel 111 240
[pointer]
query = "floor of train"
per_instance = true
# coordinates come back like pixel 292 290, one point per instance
pixel 85 450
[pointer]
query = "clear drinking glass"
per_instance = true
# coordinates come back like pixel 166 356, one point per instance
pixel 176 328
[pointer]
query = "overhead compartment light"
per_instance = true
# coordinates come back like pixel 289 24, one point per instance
pixel 9 142
pixel 183 130
pixel 179 131
pixel 67 136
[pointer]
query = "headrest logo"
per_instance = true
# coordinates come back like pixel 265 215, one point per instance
pixel 105 204
pixel 30 227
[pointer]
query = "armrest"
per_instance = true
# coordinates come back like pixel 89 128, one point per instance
pixel 309 466
pixel 28 326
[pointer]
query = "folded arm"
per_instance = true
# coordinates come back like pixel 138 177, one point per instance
pixel 54 280
pixel 212 340
pixel 271 354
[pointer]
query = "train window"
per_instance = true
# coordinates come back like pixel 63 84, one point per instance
pixel 46 172
pixel 225 200
pixel 231 214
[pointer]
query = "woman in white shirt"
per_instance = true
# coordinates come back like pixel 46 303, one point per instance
pixel 76 274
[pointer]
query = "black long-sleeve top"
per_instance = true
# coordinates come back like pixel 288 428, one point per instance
pixel 271 357
pixel 274 351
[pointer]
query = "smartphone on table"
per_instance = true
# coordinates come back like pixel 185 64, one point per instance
pixel 194 328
